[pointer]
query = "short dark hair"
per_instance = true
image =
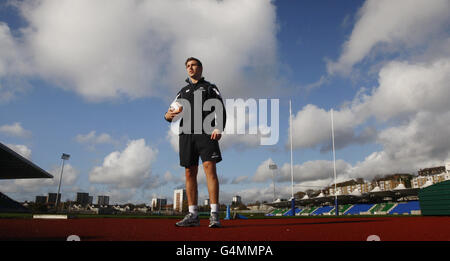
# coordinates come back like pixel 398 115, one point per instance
pixel 193 59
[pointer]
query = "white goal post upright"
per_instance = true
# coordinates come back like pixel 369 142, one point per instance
pixel 334 167
pixel 292 168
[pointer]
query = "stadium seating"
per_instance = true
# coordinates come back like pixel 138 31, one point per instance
pixel 342 209
pixel 345 208
pixel 278 212
pixel 405 208
pixel 323 210
pixel 377 208
pixel 382 208
pixel 391 208
pixel 358 208
pixel 289 213
pixel 272 213
pixel 387 207
pixel 275 211
pixel 308 211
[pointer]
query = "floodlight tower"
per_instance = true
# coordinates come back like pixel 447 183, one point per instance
pixel 336 206
pixel 63 157
pixel 292 163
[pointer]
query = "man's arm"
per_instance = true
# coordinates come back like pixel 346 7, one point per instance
pixel 171 114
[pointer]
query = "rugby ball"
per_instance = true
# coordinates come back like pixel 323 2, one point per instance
pixel 176 107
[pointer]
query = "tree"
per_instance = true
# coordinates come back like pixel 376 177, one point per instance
pixel 299 194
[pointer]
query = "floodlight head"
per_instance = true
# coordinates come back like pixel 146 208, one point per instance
pixel 273 166
pixel 65 156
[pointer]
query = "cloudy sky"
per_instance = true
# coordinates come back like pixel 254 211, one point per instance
pixel 94 78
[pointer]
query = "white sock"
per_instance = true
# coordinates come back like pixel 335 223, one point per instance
pixel 214 208
pixel 194 210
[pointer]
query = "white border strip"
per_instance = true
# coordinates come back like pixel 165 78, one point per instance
pixel 50 216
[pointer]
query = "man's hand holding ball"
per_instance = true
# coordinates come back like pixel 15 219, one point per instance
pixel 174 109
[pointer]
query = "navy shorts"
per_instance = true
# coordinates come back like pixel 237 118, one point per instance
pixel 193 146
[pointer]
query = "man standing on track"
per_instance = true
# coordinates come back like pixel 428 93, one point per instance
pixel 195 141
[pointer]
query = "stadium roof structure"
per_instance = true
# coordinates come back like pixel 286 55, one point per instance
pixel 15 166
pixel 374 196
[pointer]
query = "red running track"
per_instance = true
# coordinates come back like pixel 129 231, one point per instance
pixel 416 228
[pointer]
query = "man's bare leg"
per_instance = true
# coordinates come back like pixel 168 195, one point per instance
pixel 213 189
pixel 191 219
pixel 212 181
pixel 191 185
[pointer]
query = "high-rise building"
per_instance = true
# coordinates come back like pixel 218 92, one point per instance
pixel 103 200
pixel 179 195
pixel 41 199
pixel 83 198
pixel 236 200
pixel 157 203
pixel 51 198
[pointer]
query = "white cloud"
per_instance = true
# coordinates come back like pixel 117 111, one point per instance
pixel 23 150
pixel 308 171
pixel 251 195
pixel 395 24
pixel 12 60
pixel 14 65
pixel 416 84
pixel 411 108
pixel 12 87
pixel 6 46
pixel 15 130
pixel 129 168
pixel 26 189
pixel 176 179
pixel 92 139
pixel 405 89
pixel 108 49
pixel 312 170
pixel 121 195
pixel 240 179
pixel 408 88
pixel 172 137
pixel 420 143
pixel 70 176
pixel 263 173
pixel 312 127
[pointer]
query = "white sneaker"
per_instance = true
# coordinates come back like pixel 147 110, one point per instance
pixel 189 221
pixel 214 221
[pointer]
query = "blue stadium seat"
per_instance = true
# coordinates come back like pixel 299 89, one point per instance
pixel 358 208
pixel 289 213
pixel 322 210
pixel 405 208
